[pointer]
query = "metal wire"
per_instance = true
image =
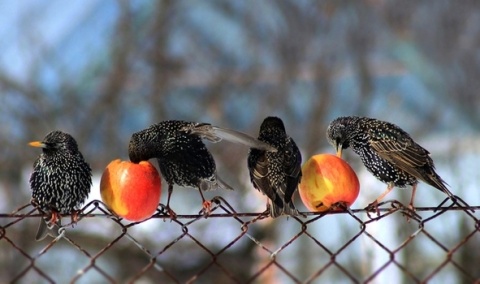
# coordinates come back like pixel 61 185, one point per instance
pixel 215 260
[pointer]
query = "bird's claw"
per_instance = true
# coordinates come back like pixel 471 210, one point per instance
pixel 75 217
pixel 53 219
pixel 171 213
pixel 266 213
pixel 373 207
pixel 410 213
pixel 207 207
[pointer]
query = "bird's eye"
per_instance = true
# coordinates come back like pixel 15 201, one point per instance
pixel 51 145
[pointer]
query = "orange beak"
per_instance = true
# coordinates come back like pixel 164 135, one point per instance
pixel 39 144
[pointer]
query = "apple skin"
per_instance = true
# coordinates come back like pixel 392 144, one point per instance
pixel 327 181
pixel 131 190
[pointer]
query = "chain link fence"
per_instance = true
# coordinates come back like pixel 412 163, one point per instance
pixel 431 245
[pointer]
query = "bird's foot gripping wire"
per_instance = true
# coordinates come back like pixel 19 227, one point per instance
pixel 267 213
pixel 48 225
pixel 53 219
pixel 75 217
pixel 373 207
pixel 408 211
pixel 164 211
pixel 207 207
pixel 171 213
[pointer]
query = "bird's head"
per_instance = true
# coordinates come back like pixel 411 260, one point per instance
pixel 338 133
pixel 271 123
pixel 142 146
pixel 135 148
pixel 56 140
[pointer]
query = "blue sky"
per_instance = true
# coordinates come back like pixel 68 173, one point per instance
pixel 33 26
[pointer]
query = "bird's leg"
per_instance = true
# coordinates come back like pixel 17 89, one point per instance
pixel 267 211
pixel 410 205
pixel 172 214
pixel 75 216
pixel 207 205
pixel 374 204
pixel 55 216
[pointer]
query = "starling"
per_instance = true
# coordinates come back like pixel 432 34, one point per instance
pixel 61 179
pixel 387 151
pixel 276 174
pixel 182 156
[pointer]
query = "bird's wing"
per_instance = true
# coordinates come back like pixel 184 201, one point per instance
pixel 399 149
pixel 259 175
pixel 215 134
pixel 293 170
pixel 411 158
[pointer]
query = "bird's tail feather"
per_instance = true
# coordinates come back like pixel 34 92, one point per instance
pixel 242 138
pixel 222 184
pixel 436 181
pixel 216 134
pixel 286 209
pixel 213 184
pixel 44 230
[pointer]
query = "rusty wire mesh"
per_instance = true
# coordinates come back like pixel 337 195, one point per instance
pixel 184 251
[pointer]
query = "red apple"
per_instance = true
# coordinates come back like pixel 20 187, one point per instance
pixel 131 190
pixel 327 180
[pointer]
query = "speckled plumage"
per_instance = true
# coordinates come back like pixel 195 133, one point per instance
pixel 182 156
pixel 276 174
pixel 387 151
pixel 61 178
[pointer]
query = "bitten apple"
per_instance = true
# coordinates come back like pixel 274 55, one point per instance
pixel 327 180
pixel 131 190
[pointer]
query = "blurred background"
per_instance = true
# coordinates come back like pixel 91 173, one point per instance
pixel 101 70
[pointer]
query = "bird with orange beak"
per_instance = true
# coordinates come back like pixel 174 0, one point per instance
pixel 61 179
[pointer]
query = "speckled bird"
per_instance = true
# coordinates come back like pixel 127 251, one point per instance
pixel 276 174
pixel 61 178
pixel 182 156
pixel 387 151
